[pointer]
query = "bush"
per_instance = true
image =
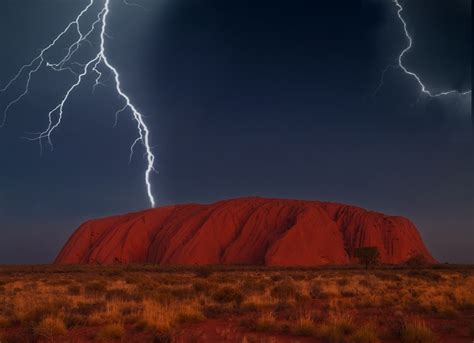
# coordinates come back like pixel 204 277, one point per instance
pixel 111 331
pixel 121 294
pixel 336 331
pixel 416 261
pixel 74 290
pixel 315 290
pixel 95 288
pixel 425 275
pixel 304 325
pixel 343 282
pixel 228 295
pixel 471 329
pixel 252 286
pixel 388 276
pixel 213 311
pixel 162 337
pixel 201 287
pixel 203 272
pixel 367 256
pixel 86 309
pixel 4 322
pixel 283 291
pixel 49 328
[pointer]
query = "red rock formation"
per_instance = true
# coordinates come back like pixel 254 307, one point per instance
pixel 244 231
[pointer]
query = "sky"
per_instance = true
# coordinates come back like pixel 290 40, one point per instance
pixel 243 98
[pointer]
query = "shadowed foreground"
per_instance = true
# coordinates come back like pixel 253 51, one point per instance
pixel 235 304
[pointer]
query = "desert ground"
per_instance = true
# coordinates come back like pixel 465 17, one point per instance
pixel 236 304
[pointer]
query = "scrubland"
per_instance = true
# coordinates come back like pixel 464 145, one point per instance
pixel 236 304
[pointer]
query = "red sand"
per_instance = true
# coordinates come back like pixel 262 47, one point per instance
pixel 244 231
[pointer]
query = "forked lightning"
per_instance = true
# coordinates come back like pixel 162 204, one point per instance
pixel 96 65
pixel 417 78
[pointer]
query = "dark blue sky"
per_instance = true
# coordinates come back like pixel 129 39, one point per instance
pixel 267 98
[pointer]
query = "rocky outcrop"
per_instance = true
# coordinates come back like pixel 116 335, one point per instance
pixel 244 231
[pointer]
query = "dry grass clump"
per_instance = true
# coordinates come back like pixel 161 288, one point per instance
pixel 367 333
pixel 284 291
pixel 304 325
pixel 338 329
pixel 49 328
pixel 416 331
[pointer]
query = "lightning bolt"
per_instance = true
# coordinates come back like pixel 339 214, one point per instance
pixel 97 65
pixel 412 74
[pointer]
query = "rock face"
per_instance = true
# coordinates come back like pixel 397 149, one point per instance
pixel 244 231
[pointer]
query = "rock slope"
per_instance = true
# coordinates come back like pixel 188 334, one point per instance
pixel 244 231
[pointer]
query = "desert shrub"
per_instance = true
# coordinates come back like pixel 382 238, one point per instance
pixel 190 316
pixel 121 294
pixel 36 314
pixel 337 330
pixel 276 277
pixel 347 293
pixel 5 322
pixel 214 311
pixel 304 325
pixel 331 333
pixel 298 277
pixel 343 282
pixel 447 312
pixel 365 283
pixel 72 319
pixel 141 325
pixel 95 288
pixel 266 323
pixel 228 295
pixel 30 286
pixel 50 327
pixel 315 290
pixel 182 293
pixel 366 334
pixel 86 309
pixel 283 291
pixel 470 329
pixel 114 272
pixel 253 286
pixel 248 323
pixel 416 331
pixel 111 332
pixel 416 261
pixel 390 276
pixel 146 287
pixel 73 290
pixel 162 337
pixel 203 272
pixel 465 306
pixel 201 287
pixel 427 275
pixel 249 307
pixel 130 280
pixel 368 256
pixel 12 337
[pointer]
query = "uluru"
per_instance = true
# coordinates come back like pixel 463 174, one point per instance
pixel 254 231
